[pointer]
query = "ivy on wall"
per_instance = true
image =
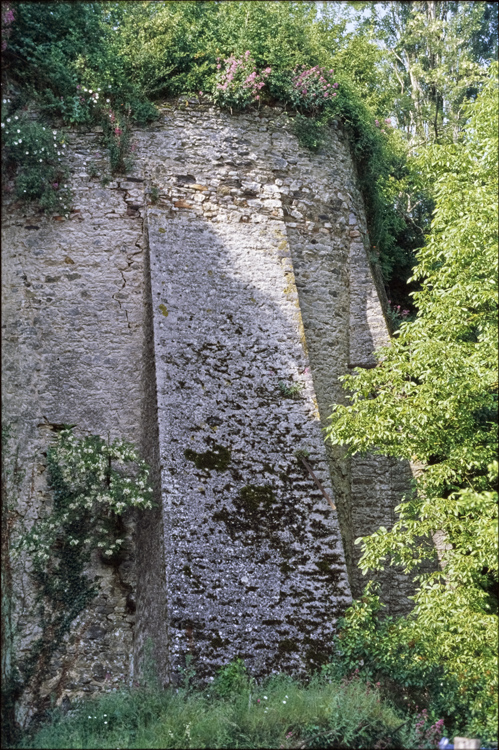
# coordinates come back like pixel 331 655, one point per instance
pixel 93 483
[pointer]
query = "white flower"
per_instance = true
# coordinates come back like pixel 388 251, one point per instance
pixel 16 118
pixel 108 100
pixel 90 91
pixel 20 140
pixel 3 124
pixel 284 701
pixel 8 119
pixel 264 697
pixel 55 133
pixel 18 128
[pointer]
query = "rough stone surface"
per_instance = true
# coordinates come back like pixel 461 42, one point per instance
pixel 220 354
pixel 72 354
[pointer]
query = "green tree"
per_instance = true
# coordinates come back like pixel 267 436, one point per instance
pixel 438 53
pixel 432 399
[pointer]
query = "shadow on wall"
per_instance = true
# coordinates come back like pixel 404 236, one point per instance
pixel 253 564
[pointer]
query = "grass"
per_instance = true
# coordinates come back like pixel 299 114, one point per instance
pixel 234 712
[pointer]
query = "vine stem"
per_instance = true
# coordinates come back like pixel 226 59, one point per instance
pixel 317 481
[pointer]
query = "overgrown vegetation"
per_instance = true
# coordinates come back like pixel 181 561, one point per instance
pixel 432 399
pixel 415 88
pixel 92 483
pixel 235 711
pixel 102 64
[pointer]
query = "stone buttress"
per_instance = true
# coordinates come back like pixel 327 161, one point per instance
pixel 204 308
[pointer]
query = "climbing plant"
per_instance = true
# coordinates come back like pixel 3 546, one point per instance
pixel 93 482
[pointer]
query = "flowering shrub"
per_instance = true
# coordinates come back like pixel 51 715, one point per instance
pixel 424 735
pixel 91 491
pixel 84 106
pixel 397 315
pixel 239 84
pixel 93 483
pixel 382 125
pixel 33 159
pixel 7 19
pixel 312 88
pixel 117 139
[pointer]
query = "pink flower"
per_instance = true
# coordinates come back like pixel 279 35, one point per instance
pixel 78 86
pixel 117 131
pixel 55 185
pixel 200 93
pixel 247 53
pixel 335 85
pixel 334 93
pixel 376 122
pixel 218 66
pixel 257 98
pixel 325 96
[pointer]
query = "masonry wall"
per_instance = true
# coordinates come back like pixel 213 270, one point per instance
pixel 72 342
pixel 210 326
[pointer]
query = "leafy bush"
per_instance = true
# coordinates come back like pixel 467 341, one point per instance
pixel 239 84
pixel 33 156
pixel 434 401
pixel 311 88
pixel 309 131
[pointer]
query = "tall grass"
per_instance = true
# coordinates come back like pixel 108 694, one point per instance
pixel 232 713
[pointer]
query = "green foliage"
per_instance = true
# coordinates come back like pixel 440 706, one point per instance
pixel 399 657
pixel 231 680
pixel 33 157
pixel 291 390
pixel 239 84
pixel 233 712
pixel 93 483
pixel 433 399
pixel 436 52
pixel 309 131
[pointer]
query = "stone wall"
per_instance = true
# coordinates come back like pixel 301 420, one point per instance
pixel 72 354
pixel 211 327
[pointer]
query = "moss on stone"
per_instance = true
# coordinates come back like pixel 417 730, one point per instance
pixel 218 458
pixel 288 646
pixel 257 497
